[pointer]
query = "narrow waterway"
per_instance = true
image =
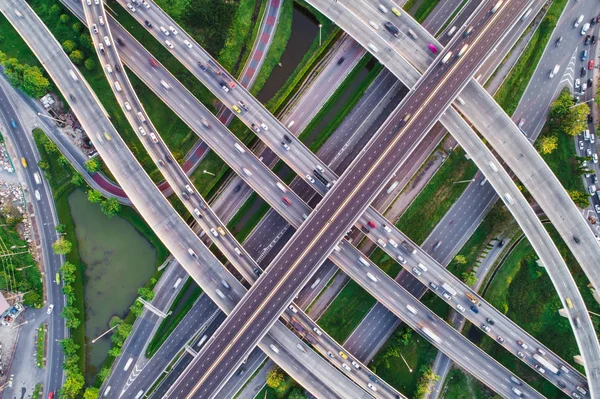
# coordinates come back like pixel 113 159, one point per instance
pixel 305 28
pixel 118 260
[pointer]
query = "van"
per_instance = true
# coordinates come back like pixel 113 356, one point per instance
pixel 192 253
pixel 411 309
pixel 393 243
pixel 381 243
pixel 220 294
pixel 412 34
pixel 447 57
pixel 363 261
pixel 118 87
pixel 385 10
pixel 239 148
pixel 451 31
pixel 179 280
pixel 371 277
pixel 422 267
pixel 517 392
pixel 165 84
pixel 586 135
pixel 141 117
pixel 373 48
pixel 281 187
pixel 225 284
pixel 524 17
pixel 578 21
pixel 483 181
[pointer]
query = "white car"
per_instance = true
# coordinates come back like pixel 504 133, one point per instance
pixel 585 28
pixel 214 232
pixel 101 20
pixel 37 195
pixel 317 331
pixel 94 28
pixel 153 137
pixel 173 30
pixel 460 307
pixel 597 208
pixel 142 131
pixel 310 179
pixel 50 307
pixel 163 30
pixel 580 145
pixel 146 4
pixel 287 147
pixel 108 68
pixel 372 387
pixel 346 367
pixel 127 106
pixel 293 309
pixel 169 44
pixel 131 7
pixel 89 2
pixel 187 43
pixel 96 2
pixel 595 158
pixel 265 127
pixel 588 152
pixel 577 83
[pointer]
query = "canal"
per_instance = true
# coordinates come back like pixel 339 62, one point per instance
pixel 118 260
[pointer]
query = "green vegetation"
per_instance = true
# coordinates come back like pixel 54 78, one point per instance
pixel 38 388
pixel 281 386
pixel 509 94
pixel 184 301
pixel 341 109
pixel 12 44
pixel 207 21
pixel 29 79
pixel 41 346
pixel 239 35
pixel 312 57
pixel 425 9
pixel 241 232
pixel 437 197
pixel 523 291
pixel 454 14
pixel 462 386
pixel 19 272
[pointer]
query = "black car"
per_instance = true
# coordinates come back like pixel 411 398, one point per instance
pixel 589 82
pixel 118 68
pixel 490 321
pixel 72 97
pixel 587 40
pixel 582 72
pixel 365 230
pixel 561 384
pixel 185 195
pixel 168 158
pixel 148 24
pixel 257 271
pixel 593 39
pixel 120 41
pixel 590 118
pixel 287 138
pixel 391 28
pixel 237 188
pixel 558 41
pixel 593 21
pixel 341 60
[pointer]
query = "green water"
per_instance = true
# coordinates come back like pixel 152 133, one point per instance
pixel 118 260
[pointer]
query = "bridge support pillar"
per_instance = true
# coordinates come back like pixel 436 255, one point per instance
pixel 539 263
pixel 596 295
pixel 578 359
pixel 190 351
pixel 563 312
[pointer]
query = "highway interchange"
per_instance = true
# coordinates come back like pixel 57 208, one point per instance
pixel 214 221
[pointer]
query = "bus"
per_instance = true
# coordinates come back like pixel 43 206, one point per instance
pixel 213 67
pixel 431 335
pixel 546 364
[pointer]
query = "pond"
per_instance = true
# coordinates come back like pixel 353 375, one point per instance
pixel 118 260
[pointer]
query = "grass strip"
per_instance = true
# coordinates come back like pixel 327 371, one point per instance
pixel 437 197
pixel 454 14
pixel 41 346
pixel 247 50
pixel 37 391
pixel 509 94
pixel 425 9
pixel 238 36
pixel 184 301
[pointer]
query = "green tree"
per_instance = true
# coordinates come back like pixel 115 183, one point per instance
pixel 77 179
pixel 34 82
pixel 110 207
pixel 86 41
pixel 60 228
pixel 580 198
pixel 94 196
pixel 137 308
pixel 275 378
pixel 547 144
pixel 469 278
pixel 69 346
pixel 62 246
pixel 89 64
pixel 146 293
pixel 73 385
pixel 62 160
pixel 77 57
pixel 69 46
pixel 64 18
pixel 48 144
pixel 77 26
pixel 560 107
pixel 91 393
pixel 103 374
pixel 460 259
pixel 92 165
pixel 43 165
pixel 115 351
pixel 55 10
pixel 71 316
pixel 68 273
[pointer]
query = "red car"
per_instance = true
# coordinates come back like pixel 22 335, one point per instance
pixel 591 65
pixel 51 395
pixel 432 48
pixel 286 201
pixel 153 63
pixel 372 224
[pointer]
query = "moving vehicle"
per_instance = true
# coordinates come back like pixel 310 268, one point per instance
pixel 391 28
pixel 23 162
pixel 153 62
pixel 396 12
pixel 556 68
pixel 430 334
pixel 433 49
pixel 50 307
pixel 497 6
pixel 578 21
pixel 165 84
pixel 449 289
